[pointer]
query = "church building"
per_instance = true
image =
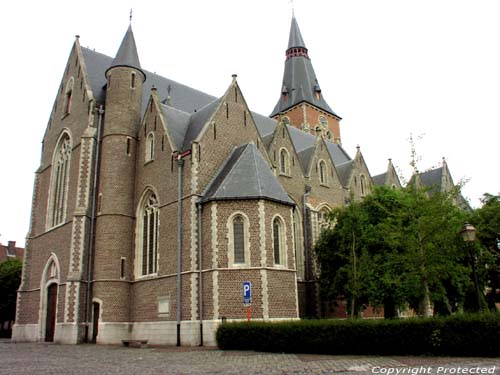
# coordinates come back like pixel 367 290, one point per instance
pixel 154 203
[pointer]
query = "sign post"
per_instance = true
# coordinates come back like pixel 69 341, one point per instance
pixel 247 297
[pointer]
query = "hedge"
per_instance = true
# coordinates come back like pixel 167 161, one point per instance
pixel 460 335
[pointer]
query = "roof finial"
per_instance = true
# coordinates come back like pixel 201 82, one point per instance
pixel 293 8
pixel 130 17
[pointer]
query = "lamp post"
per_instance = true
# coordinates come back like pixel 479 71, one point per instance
pixel 468 233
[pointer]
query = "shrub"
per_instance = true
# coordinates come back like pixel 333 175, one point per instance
pixel 463 335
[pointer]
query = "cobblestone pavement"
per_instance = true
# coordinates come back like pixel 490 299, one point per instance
pixel 39 358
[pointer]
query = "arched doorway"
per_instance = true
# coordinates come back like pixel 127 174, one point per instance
pixel 50 319
pixel 95 321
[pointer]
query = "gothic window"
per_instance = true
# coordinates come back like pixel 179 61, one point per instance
pixel 238 247
pixel 323 219
pixel 278 242
pixel 329 135
pixel 323 175
pixel 286 120
pixel 363 184
pixel 59 181
pixel 239 239
pixel 284 162
pixel 68 96
pixel 150 147
pixel 147 236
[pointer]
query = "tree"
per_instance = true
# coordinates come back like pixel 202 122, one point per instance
pixel 10 278
pixel 393 248
pixel 487 222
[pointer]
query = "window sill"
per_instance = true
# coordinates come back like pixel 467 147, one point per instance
pixel 149 161
pixel 146 277
pixel 285 175
pixel 324 185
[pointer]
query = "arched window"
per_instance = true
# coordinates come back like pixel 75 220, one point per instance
pixel 278 242
pixel 148 235
pixel 239 239
pixel 150 147
pixel 323 175
pixel 329 135
pixel 68 96
pixel 323 219
pixel 284 163
pixel 59 181
pixel 363 184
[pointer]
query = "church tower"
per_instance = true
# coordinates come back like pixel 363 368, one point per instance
pixel 301 103
pixel 115 219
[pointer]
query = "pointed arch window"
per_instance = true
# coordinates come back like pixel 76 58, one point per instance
pixel 323 175
pixel 363 184
pixel 59 181
pixel 68 95
pixel 278 241
pixel 150 147
pixel 284 162
pixel 239 239
pixel 147 235
pixel 238 226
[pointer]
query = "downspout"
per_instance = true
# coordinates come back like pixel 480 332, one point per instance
pixel 306 232
pixel 180 164
pixel 307 272
pixel 90 253
pixel 200 276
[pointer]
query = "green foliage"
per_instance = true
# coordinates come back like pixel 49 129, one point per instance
pixel 461 335
pixel 10 278
pixel 396 247
pixel 487 222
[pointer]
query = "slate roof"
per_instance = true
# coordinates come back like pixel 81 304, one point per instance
pixel 182 97
pixel 299 79
pixel 379 179
pixel 186 110
pixel 127 53
pixel 295 38
pixel 432 178
pixel 344 171
pixel 246 175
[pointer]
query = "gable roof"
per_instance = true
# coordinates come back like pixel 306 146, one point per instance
pixel 344 171
pixel 186 109
pixel 246 175
pixel 379 179
pixel 176 94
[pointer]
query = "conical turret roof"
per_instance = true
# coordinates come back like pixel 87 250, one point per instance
pixel 127 53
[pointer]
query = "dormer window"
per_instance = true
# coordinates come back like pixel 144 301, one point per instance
pixel 323 175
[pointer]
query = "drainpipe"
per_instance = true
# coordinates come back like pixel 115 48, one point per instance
pixel 90 253
pixel 180 164
pixel 307 272
pixel 200 277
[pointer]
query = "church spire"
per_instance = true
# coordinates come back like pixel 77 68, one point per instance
pixel 299 80
pixel 127 53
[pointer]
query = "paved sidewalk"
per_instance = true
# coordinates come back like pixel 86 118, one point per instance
pixel 39 358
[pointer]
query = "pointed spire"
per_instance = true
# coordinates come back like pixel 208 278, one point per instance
pixel 299 80
pixel 127 53
pixel 295 38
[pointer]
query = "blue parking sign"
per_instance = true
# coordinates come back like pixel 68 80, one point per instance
pixel 247 292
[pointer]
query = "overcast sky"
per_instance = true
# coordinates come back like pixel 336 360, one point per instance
pixel 389 68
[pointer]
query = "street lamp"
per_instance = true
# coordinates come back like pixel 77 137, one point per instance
pixel 468 233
